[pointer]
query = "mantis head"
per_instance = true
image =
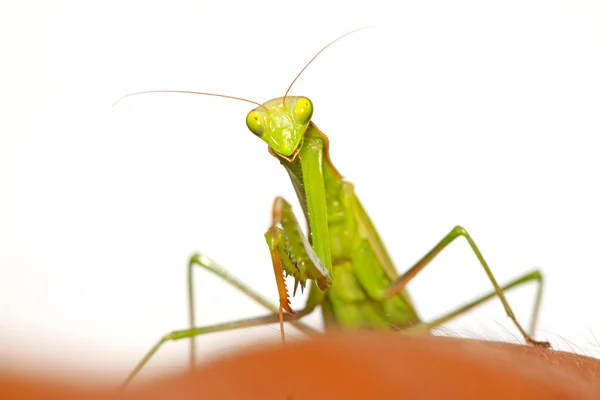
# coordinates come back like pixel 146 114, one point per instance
pixel 281 123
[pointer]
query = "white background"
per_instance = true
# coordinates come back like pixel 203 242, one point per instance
pixel 483 114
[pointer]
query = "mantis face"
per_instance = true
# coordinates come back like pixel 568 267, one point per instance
pixel 281 126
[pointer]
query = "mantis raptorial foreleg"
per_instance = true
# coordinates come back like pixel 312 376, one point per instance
pixel 292 254
pixel 204 262
pixel 458 231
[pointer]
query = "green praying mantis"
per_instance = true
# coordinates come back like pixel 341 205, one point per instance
pixel 351 275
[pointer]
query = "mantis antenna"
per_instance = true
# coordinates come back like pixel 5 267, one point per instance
pixel 241 98
pixel 320 51
pixel 188 92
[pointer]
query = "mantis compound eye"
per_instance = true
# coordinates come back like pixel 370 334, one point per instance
pixel 303 110
pixel 255 123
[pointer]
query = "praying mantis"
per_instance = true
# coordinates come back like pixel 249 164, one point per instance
pixel 352 277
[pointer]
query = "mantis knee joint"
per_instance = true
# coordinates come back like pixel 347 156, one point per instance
pixel 194 259
pixel 459 230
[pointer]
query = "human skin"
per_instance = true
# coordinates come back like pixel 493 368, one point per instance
pixel 361 366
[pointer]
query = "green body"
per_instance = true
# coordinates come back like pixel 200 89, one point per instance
pixel 360 280
pixel 352 277
pixel 349 252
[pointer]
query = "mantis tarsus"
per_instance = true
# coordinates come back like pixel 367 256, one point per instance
pixel 352 276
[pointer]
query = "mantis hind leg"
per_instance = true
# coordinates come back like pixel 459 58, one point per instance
pixel 458 231
pixel 193 332
pixel 533 276
pixel 290 252
pixel 204 262
pixel 190 333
